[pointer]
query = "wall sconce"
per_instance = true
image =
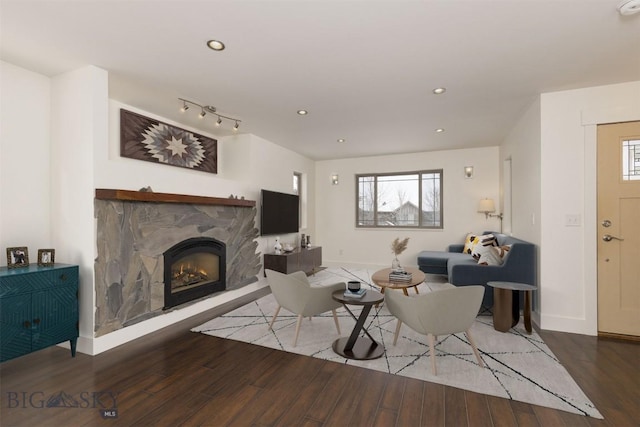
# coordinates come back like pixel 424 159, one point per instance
pixel 468 171
pixel 487 207
pixel 334 179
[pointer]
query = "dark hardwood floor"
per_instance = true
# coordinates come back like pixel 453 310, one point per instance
pixel 178 378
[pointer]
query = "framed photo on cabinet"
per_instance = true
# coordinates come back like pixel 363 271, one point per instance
pixel 17 257
pixel 46 257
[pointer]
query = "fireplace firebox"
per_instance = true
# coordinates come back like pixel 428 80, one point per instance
pixel 194 268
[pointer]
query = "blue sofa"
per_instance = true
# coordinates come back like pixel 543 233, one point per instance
pixel 519 265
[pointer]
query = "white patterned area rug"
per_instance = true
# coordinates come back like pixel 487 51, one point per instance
pixel 518 366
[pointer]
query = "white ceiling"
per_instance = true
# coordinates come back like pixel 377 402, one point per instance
pixel 365 70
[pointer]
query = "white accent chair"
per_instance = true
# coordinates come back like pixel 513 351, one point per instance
pixel 295 293
pixel 441 312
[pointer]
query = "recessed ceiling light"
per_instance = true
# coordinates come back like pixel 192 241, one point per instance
pixel 303 112
pixel 341 140
pixel 215 45
pixel 439 130
pixel 439 90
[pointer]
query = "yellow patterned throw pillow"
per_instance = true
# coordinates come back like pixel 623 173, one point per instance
pixel 469 242
pixel 473 240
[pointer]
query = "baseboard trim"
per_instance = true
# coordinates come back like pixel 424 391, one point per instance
pixel 196 313
pixel 619 337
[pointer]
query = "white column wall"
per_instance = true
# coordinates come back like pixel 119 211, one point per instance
pixel 79 123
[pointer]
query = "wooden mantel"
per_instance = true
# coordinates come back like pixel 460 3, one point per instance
pixel 144 196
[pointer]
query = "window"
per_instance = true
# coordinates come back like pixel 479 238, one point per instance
pixel 297 183
pixel 404 199
pixel 297 189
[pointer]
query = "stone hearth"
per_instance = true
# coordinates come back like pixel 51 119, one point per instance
pixel 132 236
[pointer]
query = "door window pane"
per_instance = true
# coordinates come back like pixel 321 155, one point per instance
pixel 631 160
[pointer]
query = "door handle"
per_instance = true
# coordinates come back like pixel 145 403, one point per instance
pixel 609 237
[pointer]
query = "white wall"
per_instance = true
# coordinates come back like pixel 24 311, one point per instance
pixel 265 165
pixel 568 186
pixel 78 124
pixel 522 146
pixel 343 244
pixel 25 183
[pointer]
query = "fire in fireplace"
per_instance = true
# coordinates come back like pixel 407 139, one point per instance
pixel 193 268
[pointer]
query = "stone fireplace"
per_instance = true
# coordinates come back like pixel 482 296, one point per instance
pixel 194 268
pixel 134 231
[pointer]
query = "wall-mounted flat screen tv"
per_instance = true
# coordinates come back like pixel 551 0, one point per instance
pixel 279 213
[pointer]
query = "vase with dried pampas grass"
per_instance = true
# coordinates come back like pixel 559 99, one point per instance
pixel 397 247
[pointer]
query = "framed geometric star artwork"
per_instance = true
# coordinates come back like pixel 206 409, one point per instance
pixel 147 139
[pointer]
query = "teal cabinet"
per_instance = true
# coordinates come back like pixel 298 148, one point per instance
pixel 38 308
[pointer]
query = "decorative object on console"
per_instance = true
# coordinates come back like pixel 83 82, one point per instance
pixel 487 207
pixel 142 138
pixel 303 241
pixel 204 109
pixel 397 247
pixel 308 244
pixel 46 257
pixel 17 257
pixel 277 247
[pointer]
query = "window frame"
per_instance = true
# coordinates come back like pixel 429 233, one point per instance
pixel 420 174
pixel 297 178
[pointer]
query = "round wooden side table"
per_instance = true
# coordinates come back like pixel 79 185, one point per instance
pixel 506 305
pixel 381 279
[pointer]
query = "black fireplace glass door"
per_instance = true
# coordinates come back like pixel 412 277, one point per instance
pixel 193 270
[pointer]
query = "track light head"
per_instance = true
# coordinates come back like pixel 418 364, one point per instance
pixel 219 122
pixel 202 114
pixel 185 107
pixel 236 126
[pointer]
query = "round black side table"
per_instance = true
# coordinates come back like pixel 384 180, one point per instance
pixel 355 346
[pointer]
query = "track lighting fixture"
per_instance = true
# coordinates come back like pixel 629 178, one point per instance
pixel 204 109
